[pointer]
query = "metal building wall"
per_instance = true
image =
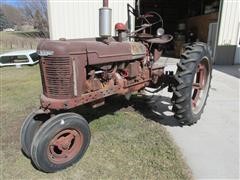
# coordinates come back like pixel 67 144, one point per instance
pixel 228 33
pixel 79 18
pixel 230 19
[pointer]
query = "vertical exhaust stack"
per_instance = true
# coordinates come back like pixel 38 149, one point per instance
pixel 105 20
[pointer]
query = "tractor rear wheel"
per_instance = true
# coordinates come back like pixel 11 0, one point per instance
pixel 192 83
pixel 60 142
pixel 29 128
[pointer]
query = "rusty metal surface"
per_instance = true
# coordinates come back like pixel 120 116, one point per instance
pixel 97 52
pixel 133 69
pixel 161 40
pixel 157 54
pixel 56 74
pixel 94 93
pixel 199 84
pixel 50 103
pixel 105 3
pixel 138 50
pixel 65 146
pixel 101 53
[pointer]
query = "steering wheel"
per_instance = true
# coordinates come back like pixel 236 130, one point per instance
pixel 148 20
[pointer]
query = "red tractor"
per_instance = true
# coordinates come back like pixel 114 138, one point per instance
pixel 86 71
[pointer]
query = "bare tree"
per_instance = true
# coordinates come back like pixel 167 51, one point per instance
pixel 12 14
pixel 4 23
pixel 35 12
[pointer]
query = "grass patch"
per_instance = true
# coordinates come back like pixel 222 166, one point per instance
pixel 124 144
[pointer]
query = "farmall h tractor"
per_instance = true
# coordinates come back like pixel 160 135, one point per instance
pixel 86 71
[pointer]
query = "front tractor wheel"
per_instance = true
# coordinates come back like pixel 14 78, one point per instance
pixel 29 128
pixel 192 83
pixel 60 142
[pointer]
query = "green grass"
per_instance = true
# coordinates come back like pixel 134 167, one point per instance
pixel 124 144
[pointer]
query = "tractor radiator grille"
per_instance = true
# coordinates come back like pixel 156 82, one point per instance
pixel 56 74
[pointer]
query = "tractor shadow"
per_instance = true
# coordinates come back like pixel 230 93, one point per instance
pixel 155 108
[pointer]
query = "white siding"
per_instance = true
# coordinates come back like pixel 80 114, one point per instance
pixel 230 19
pixel 79 18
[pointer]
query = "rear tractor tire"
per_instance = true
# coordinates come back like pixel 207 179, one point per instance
pixel 192 83
pixel 60 142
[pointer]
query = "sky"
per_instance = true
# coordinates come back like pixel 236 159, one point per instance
pixel 12 2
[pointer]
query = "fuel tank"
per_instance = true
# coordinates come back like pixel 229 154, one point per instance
pixel 96 52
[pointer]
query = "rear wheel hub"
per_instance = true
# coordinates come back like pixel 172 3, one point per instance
pixel 199 86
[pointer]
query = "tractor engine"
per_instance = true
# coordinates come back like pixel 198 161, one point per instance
pixel 76 72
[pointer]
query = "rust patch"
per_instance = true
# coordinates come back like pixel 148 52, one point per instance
pixel 65 146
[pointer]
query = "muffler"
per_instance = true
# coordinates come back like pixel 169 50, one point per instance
pixel 105 20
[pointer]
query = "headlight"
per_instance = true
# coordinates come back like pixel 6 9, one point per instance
pixel 160 31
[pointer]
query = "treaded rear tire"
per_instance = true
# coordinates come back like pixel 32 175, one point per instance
pixel 182 99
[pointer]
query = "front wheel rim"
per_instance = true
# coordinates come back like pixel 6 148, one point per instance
pixel 64 146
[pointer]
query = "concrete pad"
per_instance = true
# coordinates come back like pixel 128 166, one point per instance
pixel 211 147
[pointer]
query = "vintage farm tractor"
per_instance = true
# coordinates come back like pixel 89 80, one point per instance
pixel 86 71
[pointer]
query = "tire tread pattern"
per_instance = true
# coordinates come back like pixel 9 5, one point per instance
pixel 182 90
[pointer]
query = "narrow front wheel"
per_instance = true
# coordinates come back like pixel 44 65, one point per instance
pixel 29 128
pixel 60 142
